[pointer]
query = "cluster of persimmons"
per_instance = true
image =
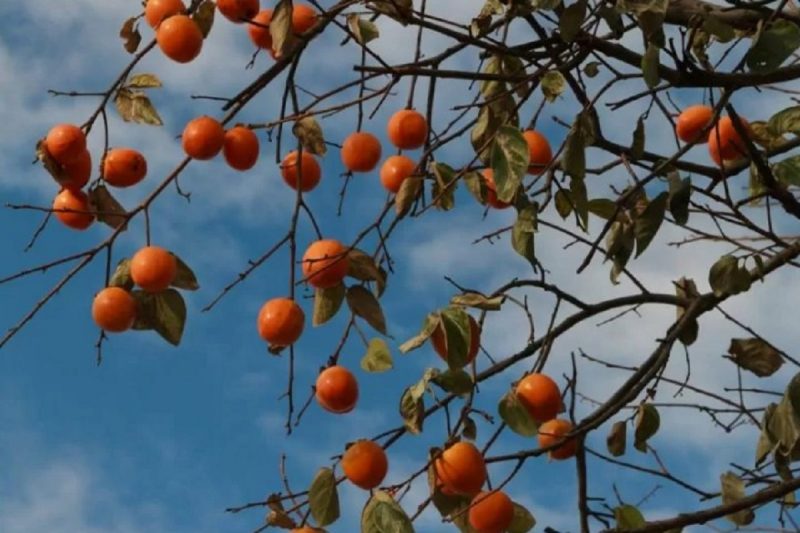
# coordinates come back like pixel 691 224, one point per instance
pixel 725 143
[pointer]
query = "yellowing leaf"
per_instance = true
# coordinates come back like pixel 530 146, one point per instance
pixel 327 303
pixel 364 304
pixel 309 133
pixel 109 210
pixel 323 498
pixel 755 355
pixel 378 357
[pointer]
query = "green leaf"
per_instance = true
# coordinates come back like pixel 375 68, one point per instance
pixel 122 275
pixel 323 498
pixel 680 193
pixel 510 160
pixel 580 201
pixel 647 422
pixel 616 440
pixel 628 517
pixel 516 416
pixel 726 277
pixel 476 185
pixel 512 66
pixel 455 381
pixel 553 84
pixel 378 357
pixel 733 491
pixel 686 289
pixel 457 334
pixel 470 430
pixel 764 136
pixel 647 224
pixel 429 325
pixel 786 121
pixel 650 64
pixel 563 203
pixel 204 16
pixel 309 133
pixel 580 136
pixel 722 31
pixel 569 24
pixel 788 171
pixel 592 69
pixel 444 187
pixel 363 30
pixel 774 46
pixel 619 247
pixel 130 34
pixel 144 81
pixel 164 312
pixel 412 410
pixel 184 278
pixel 603 208
pixel 327 303
pixel 478 301
pixel 523 520
pixel 361 266
pixel 523 231
pixel 364 304
pixel 637 146
pixel 612 17
pixel 755 355
pixel 384 515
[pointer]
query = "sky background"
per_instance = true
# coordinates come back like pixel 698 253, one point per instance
pixel 162 439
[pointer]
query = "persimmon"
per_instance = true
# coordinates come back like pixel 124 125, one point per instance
pixel 461 469
pixel 491 190
pixel 540 396
pixel 539 151
pixel 73 209
pixel 153 268
pixel 114 310
pixel 65 143
pixel 238 11
pixel 305 529
pixel 303 18
pixel 361 151
pixel 156 11
pixel 240 148
pixel 337 390
pixel 308 168
pixel 725 143
pixel 691 123
pixel 259 32
pixel 491 512
pixel 180 38
pixel 124 167
pixel 325 263
pixel 203 138
pixel 365 464
pixel 553 431
pixel 78 172
pixel 439 340
pixel 395 170
pixel 281 321
pixel 407 129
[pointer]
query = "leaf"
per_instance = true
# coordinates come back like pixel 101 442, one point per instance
pixel 384 515
pixel 455 325
pixel 650 64
pixel 363 267
pixel 647 422
pixel 135 106
pixel 637 146
pixel 510 160
pixel 788 171
pixel 364 304
pixel 490 88
pixel 786 121
pixel 620 243
pixel 523 520
pixel 378 357
pixel 412 410
pixel 109 210
pixel 522 233
pixel 363 31
pixel 592 69
pixel 616 440
pixel 407 195
pixel 726 277
pixel 455 381
pixel 647 224
pixel 327 303
pixel 722 31
pixel 628 517
pixel 580 136
pixel 400 10
pixel 686 289
pixel 280 28
pixel 323 497
pixel 164 312
pixel 122 275
pixel 51 165
pixel 553 84
pixel 309 133
pixel 755 355
pixel 143 81
pixel 513 67
pixel 478 301
pixel 563 203
pixel 185 277
pixel 428 327
pixel 733 491
pixel 773 46
pixel 516 416
pixel 476 185
pixel 444 187
pixel 446 504
pixel 603 208
pixel 680 193
pixel 569 24
pixel 204 17
pixel 277 516
pixel 470 430
pixel 130 34
pixel 766 442
pixel 580 201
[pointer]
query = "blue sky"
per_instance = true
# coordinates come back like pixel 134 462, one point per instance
pixel 161 439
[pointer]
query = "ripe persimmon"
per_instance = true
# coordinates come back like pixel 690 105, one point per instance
pixel 114 310
pixel 308 168
pixel 156 11
pixel 153 268
pixel 281 321
pixel 259 32
pixel 124 167
pixel 240 148
pixel 691 123
pixel 72 208
pixel 395 170
pixel 337 390
pixel 238 11
pixel 65 143
pixel 439 340
pixel 540 396
pixel 179 38
pixel 553 431
pixel 365 464
pixel 407 129
pixel 303 18
pixel 325 263
pixel 491 190
pixel 539 151
pixel 78 172
pixel 725 143
pixel 203 138
pixel 491 512
pixel 461 469
pixel 361 151
pixel 306 529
